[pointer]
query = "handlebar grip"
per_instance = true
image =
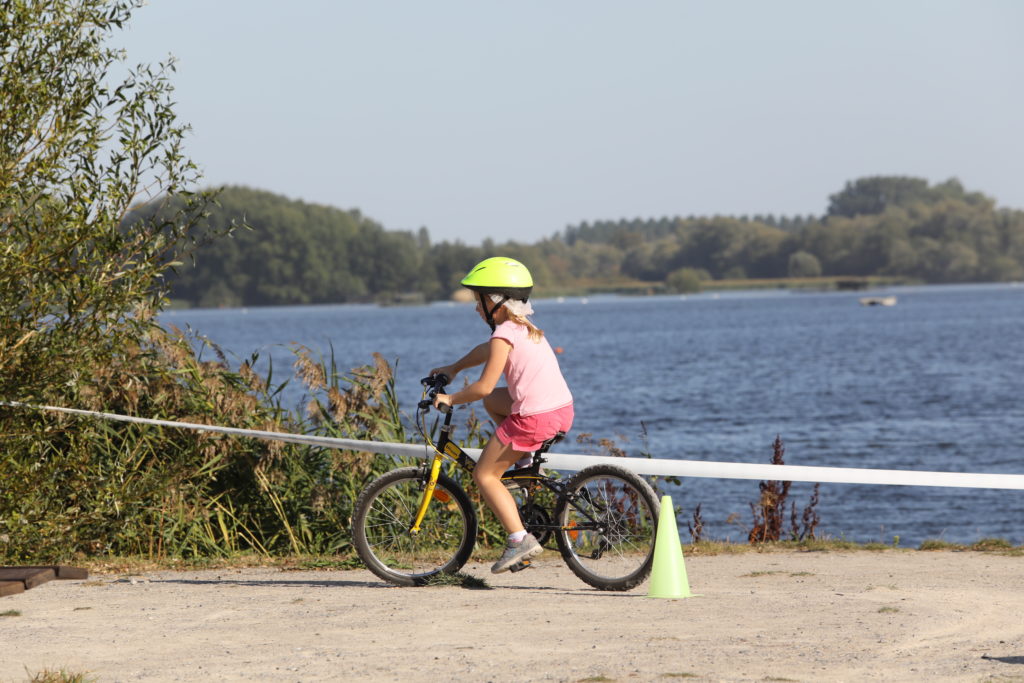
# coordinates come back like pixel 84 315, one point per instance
pixel 427 403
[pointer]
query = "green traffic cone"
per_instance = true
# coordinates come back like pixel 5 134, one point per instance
pixel 668 575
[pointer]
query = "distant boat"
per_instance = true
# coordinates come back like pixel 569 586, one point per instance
pixel 878 301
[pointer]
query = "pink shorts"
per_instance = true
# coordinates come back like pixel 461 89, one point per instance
pixel 526 434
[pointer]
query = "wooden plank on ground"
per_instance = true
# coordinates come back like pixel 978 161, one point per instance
pixel 17 579
pixel 63 572
pixel 11 587
pixel 29 576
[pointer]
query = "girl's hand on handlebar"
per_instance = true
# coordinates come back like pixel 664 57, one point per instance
pixel 446 370
pixel 443 400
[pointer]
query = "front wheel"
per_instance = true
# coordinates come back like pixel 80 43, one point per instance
pixel 608 522
pixel 384 513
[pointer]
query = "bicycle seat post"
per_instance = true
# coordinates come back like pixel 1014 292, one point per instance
pixel 538 455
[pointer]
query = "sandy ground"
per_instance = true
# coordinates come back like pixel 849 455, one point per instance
pixel 828 616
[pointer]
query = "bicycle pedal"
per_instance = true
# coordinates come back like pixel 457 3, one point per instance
pixel 519 566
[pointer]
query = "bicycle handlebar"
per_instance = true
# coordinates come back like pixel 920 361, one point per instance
pixel 435 385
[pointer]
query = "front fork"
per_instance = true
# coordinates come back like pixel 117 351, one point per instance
pixel 444 446
pixel 428 492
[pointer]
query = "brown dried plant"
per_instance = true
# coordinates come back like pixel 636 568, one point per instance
pixel 602 446
pixel 809 519
pixel 696 526
pixel 770 509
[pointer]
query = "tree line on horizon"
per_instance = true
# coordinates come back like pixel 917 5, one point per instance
pixel 293 252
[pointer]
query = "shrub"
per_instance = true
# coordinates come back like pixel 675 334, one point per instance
pixel 684 281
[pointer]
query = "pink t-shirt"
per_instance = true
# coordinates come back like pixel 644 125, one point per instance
pixel 534 379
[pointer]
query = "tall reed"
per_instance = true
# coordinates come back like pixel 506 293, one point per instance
pixel 77 486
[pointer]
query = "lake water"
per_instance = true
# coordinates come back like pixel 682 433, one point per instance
pixel 932 383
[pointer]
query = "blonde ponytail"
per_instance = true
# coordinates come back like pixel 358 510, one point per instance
pixel 536 334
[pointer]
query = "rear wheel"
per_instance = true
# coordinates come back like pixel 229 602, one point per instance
pixel 385 511
pixel 608 521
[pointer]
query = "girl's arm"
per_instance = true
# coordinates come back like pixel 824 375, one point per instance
pixel 476 356
pixel 496 351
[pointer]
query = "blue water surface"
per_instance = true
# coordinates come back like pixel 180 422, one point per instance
pixel 929 384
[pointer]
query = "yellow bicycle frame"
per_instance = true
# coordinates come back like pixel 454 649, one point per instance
pixel 450 449
pixel 444 448
pixel 428 493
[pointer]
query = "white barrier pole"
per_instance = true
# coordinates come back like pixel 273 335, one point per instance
pixel 652 466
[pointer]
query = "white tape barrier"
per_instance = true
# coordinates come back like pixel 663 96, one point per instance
pixel 652 466
pixel 321 441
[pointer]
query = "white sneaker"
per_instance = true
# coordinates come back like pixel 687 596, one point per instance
pixel 517 552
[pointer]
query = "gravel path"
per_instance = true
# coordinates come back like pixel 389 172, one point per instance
pixel 827 616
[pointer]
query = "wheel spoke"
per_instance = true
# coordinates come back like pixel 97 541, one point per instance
pixel 383 537
pixel 609 528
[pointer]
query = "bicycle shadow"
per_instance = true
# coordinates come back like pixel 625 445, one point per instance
pixel 276 583
pixel 1013 659
pixel 302 583
pixel 581 592
pixel 284 582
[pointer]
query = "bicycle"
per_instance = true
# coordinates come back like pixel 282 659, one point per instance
pixel 413 523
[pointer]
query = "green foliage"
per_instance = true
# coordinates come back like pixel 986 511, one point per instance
pixel 82 487
pixel 298 253
pixel 992 544
pixel 939 544
pixel 75 152
pixel 81 278
pixel 875 195
pixel 802 264
pixel 684 280
pixel 77 289
pixel 891 227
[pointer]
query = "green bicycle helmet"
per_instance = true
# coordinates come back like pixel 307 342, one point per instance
pixel 499 275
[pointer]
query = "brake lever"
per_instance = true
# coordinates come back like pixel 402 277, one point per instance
pixel 436 382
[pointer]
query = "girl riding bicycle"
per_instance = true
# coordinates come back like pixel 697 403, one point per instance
pixel 534 406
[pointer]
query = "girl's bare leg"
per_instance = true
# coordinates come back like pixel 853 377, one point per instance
pixel 498 404
pixel 495 459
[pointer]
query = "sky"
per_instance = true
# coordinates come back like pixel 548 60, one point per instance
pixel 512 121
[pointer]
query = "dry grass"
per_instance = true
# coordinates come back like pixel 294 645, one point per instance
pixel 59 676
pixel 136 566
pixel 710 548
pixel 459 579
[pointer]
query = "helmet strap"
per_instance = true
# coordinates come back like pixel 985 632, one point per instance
pixel 489 312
